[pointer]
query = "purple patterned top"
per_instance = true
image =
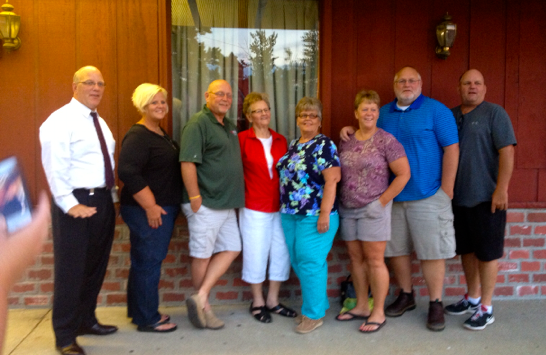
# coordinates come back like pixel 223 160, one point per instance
pixel 365 167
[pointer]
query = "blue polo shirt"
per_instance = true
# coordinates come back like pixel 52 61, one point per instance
pixel 424 129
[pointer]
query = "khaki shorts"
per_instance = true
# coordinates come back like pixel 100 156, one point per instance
pixel 371 223
pixel 211 231
pixel 425 226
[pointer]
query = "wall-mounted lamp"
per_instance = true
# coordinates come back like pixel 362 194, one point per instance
pixel 445 33
pixel 9 27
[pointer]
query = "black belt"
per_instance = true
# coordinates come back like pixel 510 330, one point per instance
pixel 94 190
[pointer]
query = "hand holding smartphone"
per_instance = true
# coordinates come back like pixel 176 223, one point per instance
pixel 15 205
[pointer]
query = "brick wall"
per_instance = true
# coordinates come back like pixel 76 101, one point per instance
pixel 522 270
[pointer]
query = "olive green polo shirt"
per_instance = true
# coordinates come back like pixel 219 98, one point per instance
pixel 214 148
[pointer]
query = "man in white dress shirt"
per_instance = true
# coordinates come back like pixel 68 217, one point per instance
pixel 78 158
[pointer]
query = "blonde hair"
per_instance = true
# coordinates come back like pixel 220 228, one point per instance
pixel 252 98
pixel 309 103
pixel 368 96
pixel 144 94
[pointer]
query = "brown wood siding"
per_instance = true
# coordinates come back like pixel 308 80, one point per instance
pixel 368 41
pixel 363 43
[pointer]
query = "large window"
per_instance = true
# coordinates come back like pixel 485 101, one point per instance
pixel 256 45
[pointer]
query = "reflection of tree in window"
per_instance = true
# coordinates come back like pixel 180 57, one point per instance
pixel 257 45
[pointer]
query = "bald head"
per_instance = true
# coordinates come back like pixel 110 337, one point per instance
pixel 88 86
pixel 472 88
pixel 407 85
pixel 219 97
pixel 82 72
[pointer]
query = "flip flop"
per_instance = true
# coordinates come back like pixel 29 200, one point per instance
pixel 353 317
pixel 380 325
pixel 283 311
pixel 153 328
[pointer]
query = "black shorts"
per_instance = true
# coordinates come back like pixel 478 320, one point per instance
pixel 479 231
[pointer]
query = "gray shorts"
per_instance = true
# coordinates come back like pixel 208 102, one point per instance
pixel 371 223
pixel 425 226
pixel 211 231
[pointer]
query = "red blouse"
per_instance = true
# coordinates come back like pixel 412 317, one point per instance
pixel 261 191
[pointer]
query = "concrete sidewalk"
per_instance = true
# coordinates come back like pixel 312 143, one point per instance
pixel 519 328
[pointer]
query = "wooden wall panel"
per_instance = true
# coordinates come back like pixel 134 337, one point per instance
pixel 488 45
pixel 531 152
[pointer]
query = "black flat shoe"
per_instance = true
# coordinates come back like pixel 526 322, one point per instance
pixel 98 329
pixel 283 311
pixel 153 328
pixel 263 316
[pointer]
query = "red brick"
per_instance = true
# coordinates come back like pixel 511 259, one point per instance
pixel 462 280
pixel 450 280
pixel 293 280
pixel 520 230
pixel 13 301
pixel 335 268
pixel 221 282
pixel 518 278
pixel 36 301
pixel 533 242
pixel 507 266
pixel 247 296
pixel 185 283
pixel 39 274
pixel 527 290
pixel 47 260
pixel 543 290
pixel 422 291
pixel 520 254
pixel 176 271
pixel 230 295
pixel 173 297
pixel 330 256
pixel 333 293
pixel 121 247
pixel 284 294
pixel 239 282
pixel 170 259
pixel 111 286
pixel 418 281
pixel 539 278
pixel 178 246
pixel 166 285
pixel 500 279
pixel 515 217
pixel 343 256
pixel 47 287
pixel 536 217
pixel 539 254
pixel 415 268
pixel 454 291
pixel 530 266
pixel 512 242
pixel 114 260
pixel 540 230
pixel 504 291
pixel 23 287
pixel 116 298
pixel 184 259
pixel 47 248
pixel 122 273
pixel 452 268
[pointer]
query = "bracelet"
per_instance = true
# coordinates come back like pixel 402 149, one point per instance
pixel 194 197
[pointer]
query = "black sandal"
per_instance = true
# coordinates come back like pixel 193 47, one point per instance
pixel 154 328
pixel 263 316
pixel 283 311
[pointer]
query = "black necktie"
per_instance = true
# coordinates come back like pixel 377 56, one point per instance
pixel 108 172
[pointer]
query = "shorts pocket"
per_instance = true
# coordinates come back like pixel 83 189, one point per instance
pixel 447 233
pixel 375 210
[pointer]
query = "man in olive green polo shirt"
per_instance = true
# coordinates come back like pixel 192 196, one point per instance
pixel 213 177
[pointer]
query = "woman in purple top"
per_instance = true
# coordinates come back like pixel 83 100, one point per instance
pixel 367 160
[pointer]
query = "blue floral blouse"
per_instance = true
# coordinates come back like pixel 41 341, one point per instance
pixel 300 175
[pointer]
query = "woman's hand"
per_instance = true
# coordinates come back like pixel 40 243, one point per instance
pixel 323 224
pixel 154 215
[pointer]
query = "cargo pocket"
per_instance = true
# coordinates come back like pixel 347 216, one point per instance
pixel 447 234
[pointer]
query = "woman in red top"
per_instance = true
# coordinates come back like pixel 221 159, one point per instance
pixel 260 223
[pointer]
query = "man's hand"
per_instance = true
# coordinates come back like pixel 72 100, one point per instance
pixel 499 200
pixel 346 132
pixel 154 216
pixel 82 211
pixel 448 192
pixel 196 204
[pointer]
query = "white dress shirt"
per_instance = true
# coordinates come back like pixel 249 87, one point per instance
pixel 71 153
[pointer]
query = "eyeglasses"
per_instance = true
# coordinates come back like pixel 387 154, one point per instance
pixel 259 112
pixel 91 83
pixel 223 94
pixel 410 81
pixel 311 115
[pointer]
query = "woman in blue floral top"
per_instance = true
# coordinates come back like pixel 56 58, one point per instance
pixel 308 175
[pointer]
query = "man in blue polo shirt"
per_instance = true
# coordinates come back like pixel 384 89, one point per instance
pixel 422 217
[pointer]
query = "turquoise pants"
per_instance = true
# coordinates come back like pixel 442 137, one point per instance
pixel 308 250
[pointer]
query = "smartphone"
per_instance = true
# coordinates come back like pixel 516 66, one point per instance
pixel 15 204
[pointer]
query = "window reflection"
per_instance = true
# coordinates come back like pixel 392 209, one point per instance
pixel 256 45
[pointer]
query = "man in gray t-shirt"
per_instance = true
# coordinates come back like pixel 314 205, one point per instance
pixel 486 161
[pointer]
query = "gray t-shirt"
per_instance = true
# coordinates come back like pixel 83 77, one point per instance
pixel 482 132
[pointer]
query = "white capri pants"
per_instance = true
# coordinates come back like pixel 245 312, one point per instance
pixel 263 241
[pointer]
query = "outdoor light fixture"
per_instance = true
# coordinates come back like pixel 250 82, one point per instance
pixel 445 33
pixel 9 27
